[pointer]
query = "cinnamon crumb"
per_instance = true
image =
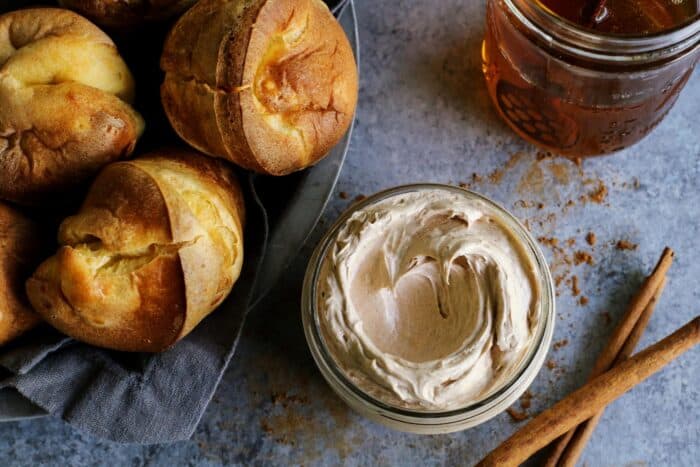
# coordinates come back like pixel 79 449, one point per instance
pixel 575 291
pixel 517 415
pixel 549 241
pixel 513 160
pixel 599 194
pixel 583 301
pixel 284 399
pixel 343 195
pixel 496 176
pixel 581 257
pixel 625 245
pixel 521 203
pixel 526 400
pixel 559 344
pixel 591 238
pixel 566 259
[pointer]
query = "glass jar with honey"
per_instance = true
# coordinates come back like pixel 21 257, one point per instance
pixel 588 77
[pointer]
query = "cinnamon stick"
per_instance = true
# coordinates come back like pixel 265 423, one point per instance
pixel 583 433
pixel 620 336
pixel 593 396
pixel 636 334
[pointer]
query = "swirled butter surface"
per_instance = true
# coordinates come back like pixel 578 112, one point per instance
pixel 428 300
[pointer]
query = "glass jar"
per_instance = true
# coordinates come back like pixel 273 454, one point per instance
pixel 577 92
pixel 430 421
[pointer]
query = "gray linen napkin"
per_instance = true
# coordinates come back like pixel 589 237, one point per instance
pixel 133 397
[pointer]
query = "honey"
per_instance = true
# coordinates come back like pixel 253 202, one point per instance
pixel 584 80
pixel 633 17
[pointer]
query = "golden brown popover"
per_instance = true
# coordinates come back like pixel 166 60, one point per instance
pixel 268 84
pixel 64 103
pixel 127 13
pixel 21 246
pixel 155 247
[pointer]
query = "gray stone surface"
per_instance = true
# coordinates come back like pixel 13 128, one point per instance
pixel 424 116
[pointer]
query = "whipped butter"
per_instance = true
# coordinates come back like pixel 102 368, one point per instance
pixel 427 299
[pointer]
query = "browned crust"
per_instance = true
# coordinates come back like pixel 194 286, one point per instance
pixel 315 81
pixel 20 248
pixel 165 257
pixel 194 86
pixel 55 136
pixel 118 13
pixel 217 59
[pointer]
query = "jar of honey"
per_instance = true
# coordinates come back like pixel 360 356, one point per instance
pixel 587 77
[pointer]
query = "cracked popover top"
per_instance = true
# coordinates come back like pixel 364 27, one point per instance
pixel 156 246
pixel 65 108
pixel 268 84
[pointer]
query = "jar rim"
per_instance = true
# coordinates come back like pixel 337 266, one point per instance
pixel 531 363
pixel 568 37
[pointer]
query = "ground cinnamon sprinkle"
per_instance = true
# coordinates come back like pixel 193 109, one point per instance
pixel 559 279
pixel 516 415
pixel 284 399
pixel 625 245
pixel 548 241
pixel 581 257
pixel 514 159
pixel 496 176
pixel 591 238
pixel 526 400
pixel 599 194
pixel 575 291
pixel 559 344
pixel 521 203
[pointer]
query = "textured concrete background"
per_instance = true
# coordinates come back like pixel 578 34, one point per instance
pixel 424 116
